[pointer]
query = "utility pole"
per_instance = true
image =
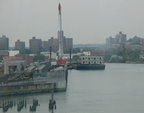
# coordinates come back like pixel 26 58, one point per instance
pixel 52 102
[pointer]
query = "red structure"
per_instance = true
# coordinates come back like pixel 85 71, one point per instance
pixel 60 62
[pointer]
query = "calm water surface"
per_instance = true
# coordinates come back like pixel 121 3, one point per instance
pixel 117 89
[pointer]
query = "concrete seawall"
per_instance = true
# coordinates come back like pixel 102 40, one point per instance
pixel 27 89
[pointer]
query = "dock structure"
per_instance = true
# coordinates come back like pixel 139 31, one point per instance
pixel 38 84
pixel 36 79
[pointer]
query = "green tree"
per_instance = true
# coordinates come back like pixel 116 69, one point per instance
pixel 133 55
pixel 25 51
pixel 39 58
pixel 111 51
pixel 116 60
pixel 76 50
pixel 75 58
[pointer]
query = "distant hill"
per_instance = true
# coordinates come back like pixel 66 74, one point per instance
pixel 88 45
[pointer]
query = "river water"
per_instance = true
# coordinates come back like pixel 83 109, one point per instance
pixel 117 89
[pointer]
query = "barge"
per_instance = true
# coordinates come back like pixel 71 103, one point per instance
pixel 91 63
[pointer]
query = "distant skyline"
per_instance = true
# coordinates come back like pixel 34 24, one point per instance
pixel 86 21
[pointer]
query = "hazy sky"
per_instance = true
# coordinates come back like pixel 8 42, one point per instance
pixel 86 21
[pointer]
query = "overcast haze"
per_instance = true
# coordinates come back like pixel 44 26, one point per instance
pixel 86 21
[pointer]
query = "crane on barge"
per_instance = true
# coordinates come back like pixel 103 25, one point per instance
pixel 60 60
